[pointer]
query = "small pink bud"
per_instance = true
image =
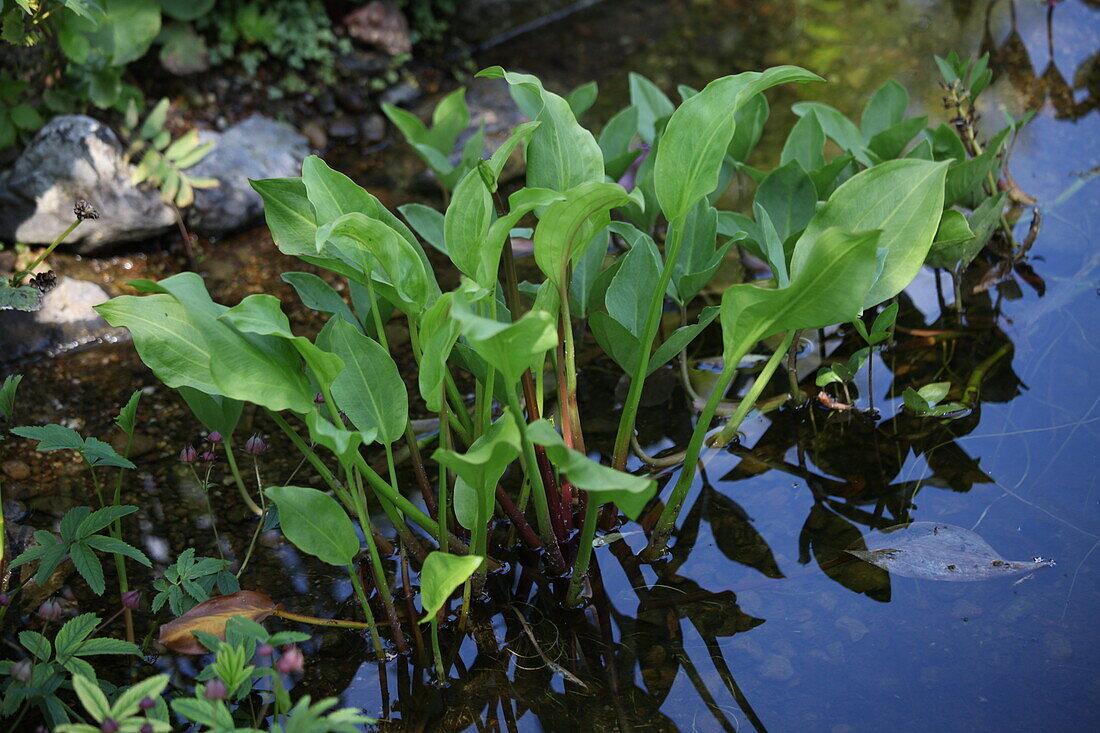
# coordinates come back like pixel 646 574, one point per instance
pixel 318 399
pixel 189 454
pixel 214 437
pixel 50 610
pixel 131 599
pixel 147 703
pixel 5 600
pixel 265 650
pixel 147 728
pixel 109 725
pixel 209 456
pixel 215 690
pixel 292 659
pixel 22 670
pixel 255 445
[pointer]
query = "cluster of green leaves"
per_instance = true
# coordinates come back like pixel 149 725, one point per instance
pixel 190 580
pixel 53 663
pixel 928 400
pixel 840 235
pixel 162 161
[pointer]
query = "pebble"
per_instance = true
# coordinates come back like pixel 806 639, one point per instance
pixel 777 668
pixel 1057 646
pixel 856 629
pixel 16 469
pixel 315 133
pixel 373 128
pixel 342 127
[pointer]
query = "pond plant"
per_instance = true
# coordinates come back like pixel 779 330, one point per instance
pixel 625 227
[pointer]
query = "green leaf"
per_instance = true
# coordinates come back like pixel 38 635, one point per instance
pixel 450 118
pixel 91 697
pixel 36 644
pixel 288 213
pixel 125 30
pixel 369 389
pixel 633 287
pixel 830 277
pixel 912 400
pixel 25 297
pixel 427 222
pixel 127 416
pixel 479 470
pixel 98 453
pixel 561 154
pixel 885 109
pixel 891 142
pixel 692 148
pixel 95 647
pixel 51 437
pixel 25 117
pixel 128 703
pixel 615 139
pixel 789 197
pixel 903 199
pixel 89 567
pixel 652 104
pixel 438 334
pixel 629 493
pixel 101 518
pixel 7 395
pixel 934 393
pixel 317 294
pixel 681 337
pixel 315 523
pixel 441 575
pixel 466 224
pixel 981 224
pixel 73 633
pixel 343 443
pixel 616 341
pixel 750 121
pixel 582 98
pixel 562 233
pixel 510 348
pixel 117 547
pixel 837 127
pixel 805 144
pixel 214 411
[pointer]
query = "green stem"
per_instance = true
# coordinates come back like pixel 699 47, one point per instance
pixel 120 560
pixel 584 550
pixel 652 322
pixel 730 429
pixel 538 489
pixel 252 506
pixel 439 670
pixel 376 639
pixel 17 278
pixel 667 521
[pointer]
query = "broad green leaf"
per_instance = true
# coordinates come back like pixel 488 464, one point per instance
pixel 441 575
pixel 805 143
pixel 652 105
pixel 479 469
pixel 128 703
pixel 693 146
pixel 98 453
pixel 343 443
pixel 750 121
pixel 616 341
pixel 789 197
pixel 561 153
pixel 364 242
pixel 903 199
pixel 369 390
pixel 891 142
pixel 288 213
pixel 36 644
pixel 178 335
pixel 317 294
pixel 262 315
pixel 586 274
pixel 680 338
pixel 117 547
pixel 629 493
pixel 438 334
pixel 885 109
pixel 466 223
pixel 966 180
pixel 837 127
pixel 634 286
pixel 409 124
pixel 89 567
pixel 956 249
pixel 520 136
pixel 582 98
pixel 774 253
pixel 449 119
pixel 510 348
pixel 698 259
pixel 427 222
pixel 124 31
pixel 214 411
pixel 562 233
pixel 26 298
pixel 615 139
pixel 315 523
pixel 830 277
pixel 101 518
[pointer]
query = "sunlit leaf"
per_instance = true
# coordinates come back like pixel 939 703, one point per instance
pixel 211 616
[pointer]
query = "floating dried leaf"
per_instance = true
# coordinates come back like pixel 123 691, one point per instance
pixel 211 616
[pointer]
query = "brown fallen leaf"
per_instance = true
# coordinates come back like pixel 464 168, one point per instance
pixel 211 616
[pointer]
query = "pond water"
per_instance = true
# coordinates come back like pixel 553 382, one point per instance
pixel 751 623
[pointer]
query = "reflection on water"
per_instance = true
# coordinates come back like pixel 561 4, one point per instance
pixel 756 619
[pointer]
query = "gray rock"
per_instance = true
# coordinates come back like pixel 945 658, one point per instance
pixel 258 147
pixel 75 157
pixel 66 321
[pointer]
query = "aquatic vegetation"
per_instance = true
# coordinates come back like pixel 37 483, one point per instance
pixel 623 225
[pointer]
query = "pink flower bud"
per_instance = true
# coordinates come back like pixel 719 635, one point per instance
pixel 318 399
pixel 131 599
pixel 255 445
pixel 147 728
pixel 109 725
pixel 50 610
pixel 215 689
pixel 209 456
pixel 214 437
pixel 147 703
pixel 189 454
pixel 265 650
pixel 292 660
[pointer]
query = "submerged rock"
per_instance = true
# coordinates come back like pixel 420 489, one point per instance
pixel 258 147
pixel 66 321
pixel 75 157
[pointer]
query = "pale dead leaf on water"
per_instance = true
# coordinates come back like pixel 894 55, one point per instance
pixel 211 616
pixel 936 551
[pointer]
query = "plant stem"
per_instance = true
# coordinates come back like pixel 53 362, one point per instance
pixel 17 278
pixel 376 639
pixel 252 506
pixel 315 621
pixel 120 561
pixel 584 550
pixel 652 322
pixel 538 489
pixel 730 428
